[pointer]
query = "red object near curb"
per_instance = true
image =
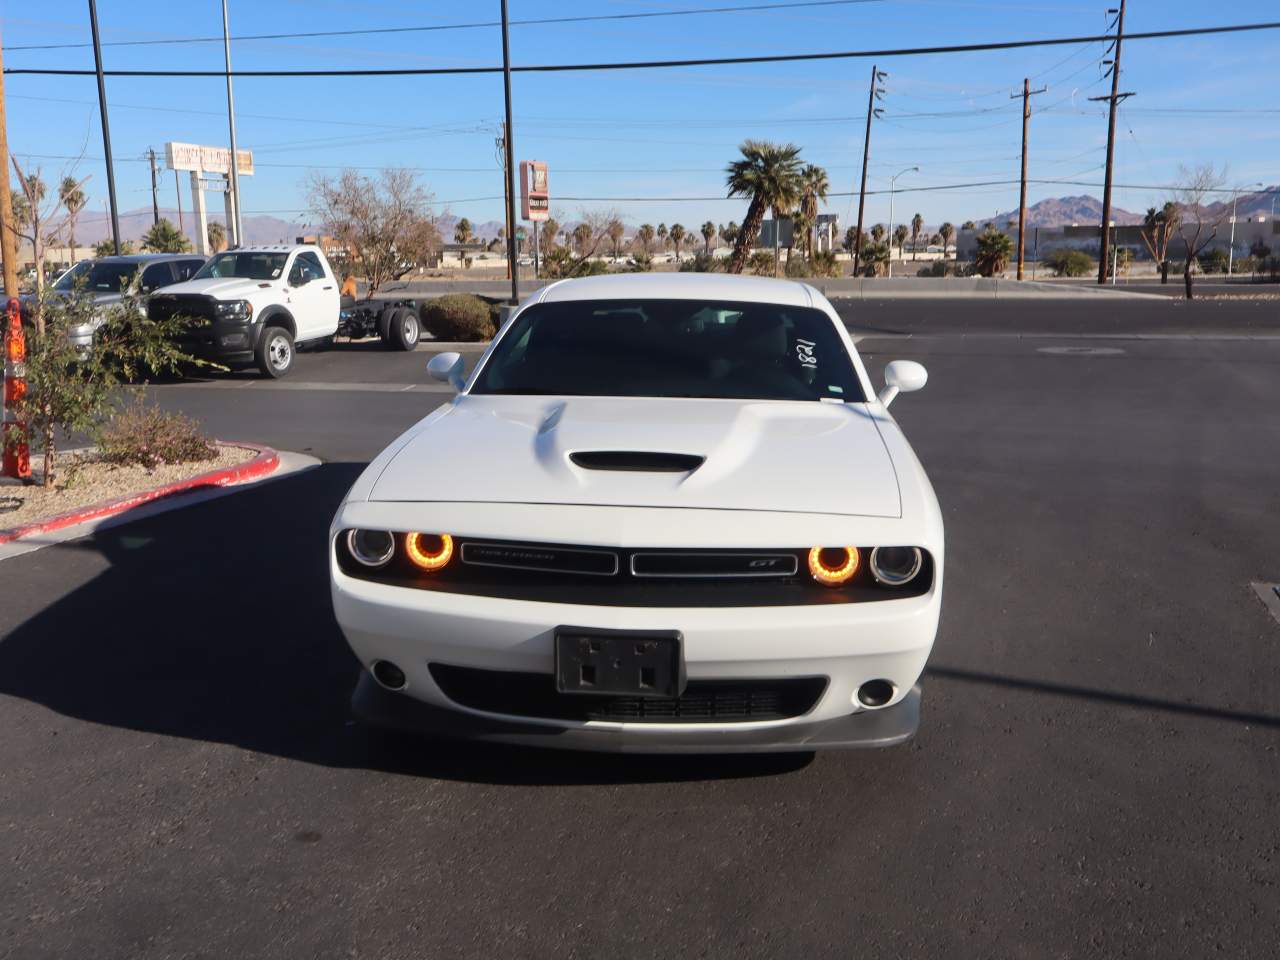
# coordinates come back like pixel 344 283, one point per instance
pixel 15 462
pixel 263 464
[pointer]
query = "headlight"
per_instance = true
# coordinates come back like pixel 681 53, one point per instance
pixel 372 548
pixel 235 310
pixel 895 566
pixel 833 566
pixel 429 551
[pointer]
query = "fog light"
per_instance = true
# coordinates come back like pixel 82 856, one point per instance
pixel 875 693
pixel 833 566
pixel 429 551
pixel 234 340
pixel 895 566
pixel 373 548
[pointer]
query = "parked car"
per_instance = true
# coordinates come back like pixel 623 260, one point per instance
pixel 255 305
pixel 667 512
pixel 108 279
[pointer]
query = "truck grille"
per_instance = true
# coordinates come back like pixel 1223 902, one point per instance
pixel 704 701
pixel 196 306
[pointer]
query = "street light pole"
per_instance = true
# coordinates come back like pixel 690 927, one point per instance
pixel 512 262
pixel 106 129
pixel 892 181
pixel 235 228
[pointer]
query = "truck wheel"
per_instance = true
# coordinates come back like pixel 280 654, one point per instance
pixel 404 331
pixel 274 353
pixel 385 319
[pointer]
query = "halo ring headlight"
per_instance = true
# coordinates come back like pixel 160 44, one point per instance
pixel 896 566
pixel 832 566
pixel 371 548
pixel 429 551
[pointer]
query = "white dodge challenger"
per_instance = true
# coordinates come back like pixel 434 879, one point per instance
pixel 663 513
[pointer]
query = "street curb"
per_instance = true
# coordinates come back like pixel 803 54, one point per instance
pixel 266 462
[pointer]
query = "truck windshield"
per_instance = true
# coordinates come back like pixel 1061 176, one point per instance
pixel 98 276
pixel 672 348
pixel 247 265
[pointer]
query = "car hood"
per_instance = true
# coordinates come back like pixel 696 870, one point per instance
pixel 220 288
pixel 757 455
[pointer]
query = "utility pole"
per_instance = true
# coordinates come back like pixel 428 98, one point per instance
pixel 509 180
pixel 8 229
pixel 500 151
pixel 235 229
pixel 106 128
pixel 1114 101
pixel 155 199
pixel 1027 94
pixel 876 93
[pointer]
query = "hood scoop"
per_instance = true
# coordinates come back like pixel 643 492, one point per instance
pixel 636 461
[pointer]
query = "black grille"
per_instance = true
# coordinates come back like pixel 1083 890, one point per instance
pixel 682 563
pixel 704 701
pixel 637 461
pixel 193 305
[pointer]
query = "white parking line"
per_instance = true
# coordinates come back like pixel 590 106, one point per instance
pixel 1269 594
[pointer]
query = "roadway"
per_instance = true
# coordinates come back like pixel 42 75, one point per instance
pixel 1096 773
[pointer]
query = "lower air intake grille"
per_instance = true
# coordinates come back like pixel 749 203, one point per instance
pixel 704 701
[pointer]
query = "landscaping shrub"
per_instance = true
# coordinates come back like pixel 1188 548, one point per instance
pixel 702 262
pixel 1213 261
pixel 1069 263
pixel 822 264
pixel 458 316
pixel 761 263
pixel 640 262
pixel 140 435
pixel 938 268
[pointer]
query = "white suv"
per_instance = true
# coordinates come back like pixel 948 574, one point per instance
pixel 255 305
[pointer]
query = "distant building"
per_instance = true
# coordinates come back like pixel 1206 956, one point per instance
pixel 1087 238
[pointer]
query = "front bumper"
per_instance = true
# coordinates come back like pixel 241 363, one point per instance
pixel 226 341
pixel 879 728
pixel 848 643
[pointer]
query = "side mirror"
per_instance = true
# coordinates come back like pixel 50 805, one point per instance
pixel 447 368
pixel 902 376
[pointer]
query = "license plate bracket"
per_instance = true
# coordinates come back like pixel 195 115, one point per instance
pixel 633 663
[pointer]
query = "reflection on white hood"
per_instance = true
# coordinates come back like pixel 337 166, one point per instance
pixel 807 457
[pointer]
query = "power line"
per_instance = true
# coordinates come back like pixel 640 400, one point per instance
pixel 662 64
pixel 433 28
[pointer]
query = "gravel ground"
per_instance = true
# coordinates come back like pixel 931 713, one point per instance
pixel 80 480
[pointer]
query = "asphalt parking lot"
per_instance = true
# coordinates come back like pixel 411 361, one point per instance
pixel 1097 772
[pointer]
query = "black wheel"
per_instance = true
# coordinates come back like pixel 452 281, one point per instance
pixel 404 331
pixel 385 319
pixel 274 353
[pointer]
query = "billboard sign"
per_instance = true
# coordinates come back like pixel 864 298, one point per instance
pixel 535 199
pixel 190 156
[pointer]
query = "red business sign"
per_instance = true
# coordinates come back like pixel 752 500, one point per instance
pixel 535 200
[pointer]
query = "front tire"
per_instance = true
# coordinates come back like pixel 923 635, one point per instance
pixel 274 353
pixel 404 330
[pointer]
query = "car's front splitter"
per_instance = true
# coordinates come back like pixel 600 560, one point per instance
pixel 869 728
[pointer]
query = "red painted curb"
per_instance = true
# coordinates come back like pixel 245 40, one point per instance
pixel 264 463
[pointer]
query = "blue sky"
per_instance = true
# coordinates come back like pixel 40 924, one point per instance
pixel 654 133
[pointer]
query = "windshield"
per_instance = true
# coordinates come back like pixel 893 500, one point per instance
pixel 672 348
pixel 245 265
pixel 98 277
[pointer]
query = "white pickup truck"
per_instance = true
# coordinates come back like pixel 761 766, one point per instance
pixel 255 305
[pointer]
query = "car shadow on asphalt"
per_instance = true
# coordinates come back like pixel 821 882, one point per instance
pixel 214 623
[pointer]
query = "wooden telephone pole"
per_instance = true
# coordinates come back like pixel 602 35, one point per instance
pixel 8 229
pixel 1027 94
pixel 876 93
pixel 1114 100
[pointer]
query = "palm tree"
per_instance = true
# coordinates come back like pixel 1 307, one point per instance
pixel 968 225
pixel 994 248
pixel 582 238
pixel 900 233
pixel 917 224
pixel 550 227
pixel 877 233
pixel 644 236
pixel 216 234
pixel 946 231
pixel 769 174
pixel 72 198
pixel 814 186
pixel 462 232
pixel 677 235
pixel 730 233
pixel 662 236
pixel 616 232
pixel 708 234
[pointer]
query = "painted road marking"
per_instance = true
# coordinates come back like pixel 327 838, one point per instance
pixel 1269 594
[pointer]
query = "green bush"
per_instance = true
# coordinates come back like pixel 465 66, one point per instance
pixel 938 268
pixel 1069 263
pixel 822 264
pixel 149 437
pixel 561 263
pixel 1213 261
pixel 640 262
pixel 702 262
pixel 761 263
pixel 875 259
pixel 458 316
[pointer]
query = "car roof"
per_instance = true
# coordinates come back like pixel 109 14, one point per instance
pixel 680 286
pixel 272 248
pixel 147 257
